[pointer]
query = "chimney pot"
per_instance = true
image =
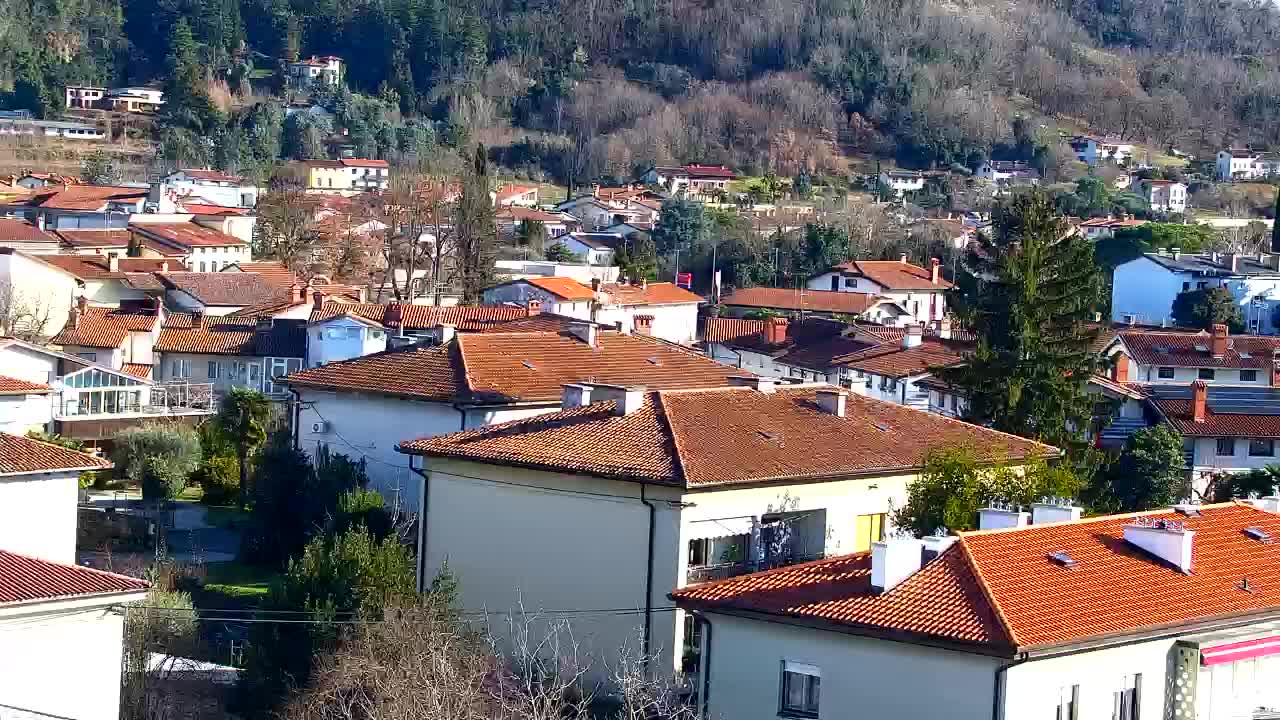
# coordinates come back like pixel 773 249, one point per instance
pixel 775 330
pixel 997 518
pixel 574 395
pixel 832 401
pixel 894 560
pixel 913 336
pixel 585 331
pixel 902 258
pixel 1047 512
pixel 1199 397
pixel 1218 341
pixel 446 332
pixel 317 300
pixel 643 324
pixel 1171 544
pixel 759 383
pixel 533 307
pixel 935 270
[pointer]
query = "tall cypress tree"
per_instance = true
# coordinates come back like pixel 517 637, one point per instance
pixel 475 230
pixel 1034 288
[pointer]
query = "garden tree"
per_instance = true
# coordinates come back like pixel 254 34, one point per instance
pixel 1129 243
pixel 957 482
pixel 637 258
pixel 161 634
pixel 303 137
pixel 25 315
pixel 1275 226
pixel 287 229
pixel 822 247
pixel 1227 486
pixel 1149 473
pixel 681 223
pixel 475 234
pixel 1035 289
pixel 1207 307
pixel 242 419
pixel 160 456
pixel 181 147
pixel 560 253
pixel 352 576
pixel 531 234
pixel 187 104
pixel 802 184
pixel 419 236
pixel 99 169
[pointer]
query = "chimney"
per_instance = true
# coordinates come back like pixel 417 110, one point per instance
pixel 263 324
pixel 935 270
pixel 533 307
pixel 317 300
pixel 584 331
pixel 40 222
pixel 393 317
pixel 935 545
pixel 991 518
pixel 1232 261
pixel 894 560
pixel 1050 512
pixel 197 318
pixel 446 332
pixel 1218 341
pixel 1170 541
pixel 113 263
pixel 759 383
pixel 1120 373
pixel 944 327
pixel 832 401
pixel 643 324
pixel 77 309
pixel 574 395
pixel 1275 374
pixel 1271 503
pixel 913 336
pixel 627 398
pixel 1199 394
pixel 1176 252
pixel 775 330
pixel 164 266
pixel 902 258
pixel 595 284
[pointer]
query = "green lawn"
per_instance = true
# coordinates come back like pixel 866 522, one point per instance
pixel 234 584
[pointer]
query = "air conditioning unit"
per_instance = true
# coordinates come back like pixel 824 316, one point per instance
pixel 320 427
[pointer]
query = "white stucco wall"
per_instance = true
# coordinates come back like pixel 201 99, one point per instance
pixel 63 663
pixel 1032 689
pixel 861 677
pixel 673 323
pixel 1207 459
pixel 521 293
pixel 342 339
pixel 38 515
pixel 1188 375
pixel 26 364
pixel 40 286
pixel 22 413
pixel 1146 290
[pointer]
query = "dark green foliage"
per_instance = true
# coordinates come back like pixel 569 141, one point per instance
pixel 242 420
pixel 163 477
pixel 1034 286
pixel 681 224
pixel 99 169
pixel 1226 486
pixel 637 258
pixel 175 445
pixel 1206 308
pixel 1149 473
pixel 1275 227
pixel 559 252
pixel 532 234
pixel 219 479
pixel 824 246
pixel 476 235
pixel 1128 243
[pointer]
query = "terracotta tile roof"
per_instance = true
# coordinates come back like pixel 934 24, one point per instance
pixel 88 197
pixel 561 287
pixel 117 239
pixel 14 386
pixel 897 361
pixel 1105 383
pixel 26 579
pixel 227 289
pixel 196 208
pixel 893 274
pixel 726 435
pixel 1114 590
pixel 722 330
pixel 850 303
pixel 809 331
pixel 272 271
pixel 145 281
pixel 1182 349
pixel 507 193
pixel 13 230
pixel 361 162
pixel 232 336
pixel 424 317
pixel 102 327
pixel 540 322
pixel 138 370
pixel 1230 411
pixel 211 175
pixel 709 171
pixel 186 234
pixel 663 293
pixel 503 367
pixel 19 455
pixel 824 354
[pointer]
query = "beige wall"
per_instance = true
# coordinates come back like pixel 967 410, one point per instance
pixel 38 515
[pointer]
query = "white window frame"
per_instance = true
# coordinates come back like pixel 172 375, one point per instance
pixel 812 702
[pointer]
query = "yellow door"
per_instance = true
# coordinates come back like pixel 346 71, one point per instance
pixel 868 529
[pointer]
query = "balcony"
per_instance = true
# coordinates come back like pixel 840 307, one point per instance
pixel 134 401
pixel 697 574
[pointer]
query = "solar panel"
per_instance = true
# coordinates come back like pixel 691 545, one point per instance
pixel 1202 348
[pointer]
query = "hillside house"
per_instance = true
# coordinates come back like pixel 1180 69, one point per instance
pixel 347 176
pixel 1143 289
pixel 315 72
pixel 1164 196
pixel 1244 164
pixel 902 181
pixel 1092 149
pixel 202 188
pixel 920 292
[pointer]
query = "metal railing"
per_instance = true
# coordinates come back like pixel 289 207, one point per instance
pixel 108 402
pixel 722 571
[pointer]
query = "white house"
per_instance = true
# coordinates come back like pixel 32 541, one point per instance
pixel 515 195
pixel 1105 227
pixel 1238 164
pixel 38 494
pixel 121 339
pixel 558 295
pixel 1091 149
pixel 701 181
pixel 41 294
pixel 1225 428
pixel 1008 173
pixel 208 187
pixel 646 492
pixel 365 406
pixel 594 248
pixel 202 248
pixel 605 207
pixel 820 303
pixel 24 406
pixel 1143 289
pixel 1164 195
pixel 919 291
pixel 1180 357
pixel 315 71
pixel 663 310
pixel 1122 616
pixel 51 129
pixel 805 350
pixel 894 372
pixel 902 181
pixel 134 99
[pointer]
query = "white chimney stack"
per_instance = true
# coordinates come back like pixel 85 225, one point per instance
pixel 913 336
pixel 1271 503
pixel 833 401
pixel 759 383
pixel 573 395
pixel 584 331
pixel 999 518
pixel 935 545
pixel 446 332
pixel 1166 539
pixel 892 561
pixel 627 398
pixel 1050 512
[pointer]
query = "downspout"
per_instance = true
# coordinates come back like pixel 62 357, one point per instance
pixel 704 665
pixel 422 524
pixel 297 418
pixel 997 692
pixel 461 411
pixel 648 583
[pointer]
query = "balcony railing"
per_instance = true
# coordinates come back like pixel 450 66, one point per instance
pixel 721 571
pixel 100 403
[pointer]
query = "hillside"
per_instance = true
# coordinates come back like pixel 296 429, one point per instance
pixel 597 89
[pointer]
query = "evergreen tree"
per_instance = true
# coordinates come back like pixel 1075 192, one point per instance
pixel 1148 474
pixel 186 96
pixel 1275 227
pixel 1035 289
pixel 476 233
pixel 679 226
pixel 1207 307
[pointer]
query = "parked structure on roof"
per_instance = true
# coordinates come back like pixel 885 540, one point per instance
pixel 1143 289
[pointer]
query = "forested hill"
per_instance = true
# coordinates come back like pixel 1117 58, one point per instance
pixel 606 85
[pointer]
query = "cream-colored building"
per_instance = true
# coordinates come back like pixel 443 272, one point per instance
pixel 348 176
pixel 595 513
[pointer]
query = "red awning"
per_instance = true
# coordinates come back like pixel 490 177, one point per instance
pixel 1243 650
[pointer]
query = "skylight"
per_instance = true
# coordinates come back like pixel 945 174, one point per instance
pixel 528 364
pixel 1063 559
pixel 1258 534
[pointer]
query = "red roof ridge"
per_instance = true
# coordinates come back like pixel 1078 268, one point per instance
pixel 664 422
pixel 986 590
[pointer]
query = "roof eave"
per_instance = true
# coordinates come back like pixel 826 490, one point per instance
pixel 1146 634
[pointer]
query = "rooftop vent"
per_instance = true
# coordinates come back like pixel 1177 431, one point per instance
pixel 1050 510
pixel 1167 540
pixel 1257 533
pixel 1200 347
pixel 1244 355
pixel 1187 509
pixel 1063 559
pixel 756 382
pixel 653 361
pixel 997 518
pixel 528 364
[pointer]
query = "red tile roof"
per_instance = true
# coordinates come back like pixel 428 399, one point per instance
pixel 26 579
pixel 893 274
pixel 893 360
pixel 424 317
pixel 14 386
pixel 1181 349
pixel 211 175
pixel 186 235
pixel 21 455
pixel 850 303
pixel 726 435
pixel 503 367
pixel 208 209
pixel 656 293
pixel 359 162
pixel 98 267
pixel 112 239
pixel 102 327
pixel 999 587
pixel 517 214
pixel 138 370
pixel 1178 411
pixel 721 329
pixel 273 271
pixel 87 197
pixel 225 289
pixel 561 287
pixel 709 171
pixel 13 230
pixel 232 336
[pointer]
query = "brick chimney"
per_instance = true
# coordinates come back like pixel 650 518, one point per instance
pixel 533 307
pixel 775 330
pixel 643 324
pixel 1199 394
pixel 77 309
pixel 1218 342
pixel 297 292
pixel 317 300
pixel 913 336
pixel 1120 373
pixel 197 318
pixel 935 270
pixel 393 316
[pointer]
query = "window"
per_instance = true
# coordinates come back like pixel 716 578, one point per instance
pixel 1226 447
pixel 202 266
pixel 213 370
pixel 1186 286
pixel 955 403
pixel 867 529
pixel 835 282
pixel 801 685
pixel 90 356
pixel 180 368
pixel 1165 373
pixel 1205 374
pixel 1262 447
pixel 1127 698
pixel 1248 376
pixel 1068 702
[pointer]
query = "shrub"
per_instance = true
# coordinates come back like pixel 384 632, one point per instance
pixel 364 507
pixel 177 444
pixel 219 477
pixel 163 477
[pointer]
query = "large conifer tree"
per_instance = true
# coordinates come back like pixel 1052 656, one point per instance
pixel 1032 294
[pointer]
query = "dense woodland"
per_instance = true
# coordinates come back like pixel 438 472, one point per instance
pixel 597 88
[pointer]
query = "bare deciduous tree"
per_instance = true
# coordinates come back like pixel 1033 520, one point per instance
pixel 24 315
